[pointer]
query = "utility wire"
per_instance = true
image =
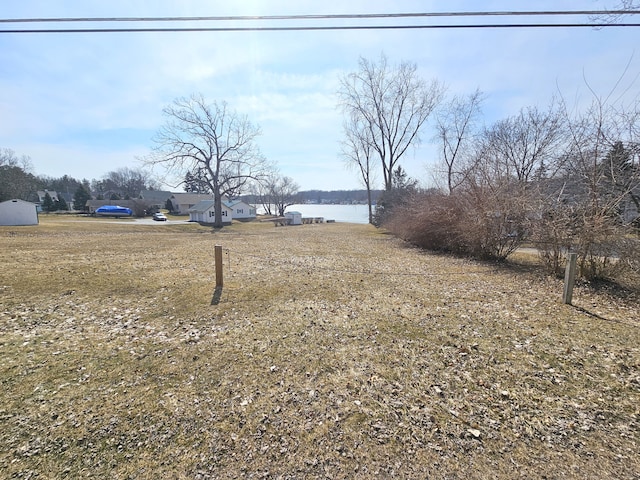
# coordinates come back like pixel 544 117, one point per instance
pixel 320 17
pixel 348 27
pixel 323 17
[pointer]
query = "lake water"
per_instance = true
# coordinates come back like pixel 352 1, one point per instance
pixel 339 213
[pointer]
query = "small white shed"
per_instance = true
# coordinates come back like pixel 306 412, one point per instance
pixel 18 212
pixel 296 218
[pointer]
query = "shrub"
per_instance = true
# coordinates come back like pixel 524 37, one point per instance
pixel 469 223
pixel 428 220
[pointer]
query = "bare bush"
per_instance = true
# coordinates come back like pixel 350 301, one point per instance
pixel 602 173
pixel 552 234
pixel 470 223
pixel 494 220
pixel 629 261
pixel 429 220
pixel 567 179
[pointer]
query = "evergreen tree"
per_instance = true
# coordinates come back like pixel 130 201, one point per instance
pixel 61 203
pixel 47 203
pixel 196 182
pixel 80 197
pixel 403 188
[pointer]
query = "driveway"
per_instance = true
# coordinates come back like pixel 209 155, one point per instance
pixel 150 221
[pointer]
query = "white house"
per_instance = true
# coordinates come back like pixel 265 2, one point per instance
pixel 204 212
pixel 18 212
pixel 184 202
pixel 241 210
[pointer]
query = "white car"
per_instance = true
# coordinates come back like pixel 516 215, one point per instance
pixel 159 217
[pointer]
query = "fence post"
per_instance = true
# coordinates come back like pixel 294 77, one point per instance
pixel 218 261
pixel 569 278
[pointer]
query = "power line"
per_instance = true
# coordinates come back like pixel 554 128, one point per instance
pixel 318 28
pixel 365 16
pixel 323 17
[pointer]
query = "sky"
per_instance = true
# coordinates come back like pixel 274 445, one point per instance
pixel 85 104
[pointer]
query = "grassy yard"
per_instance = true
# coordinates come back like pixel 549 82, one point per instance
pixel 333 351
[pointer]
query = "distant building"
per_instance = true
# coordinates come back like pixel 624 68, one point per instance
pixel 204 212
pixel 43 193
pixel 241 210
pixel 183 202
pixel 156 199
pixel 68 198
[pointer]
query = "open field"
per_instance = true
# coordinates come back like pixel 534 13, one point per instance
pixel 333 351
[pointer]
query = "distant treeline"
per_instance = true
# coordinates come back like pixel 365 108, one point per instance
pixel 331 197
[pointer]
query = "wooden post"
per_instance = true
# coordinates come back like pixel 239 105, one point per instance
pixel 218 261
pixel 569 278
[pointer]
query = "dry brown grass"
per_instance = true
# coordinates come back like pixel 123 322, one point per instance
pixel 335 351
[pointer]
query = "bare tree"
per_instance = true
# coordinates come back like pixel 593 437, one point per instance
pixel 617 12
pixel 525 146
pixel 497 189
pixel 629 5
pixel 8 158
pixel 16 181
pixel 130 181
pixel 260 190
pixel 275 192
pixel 455 128
pixel 214 140
pixel 283 192
pixel 392 103
pixel 357 150
pixel 602 171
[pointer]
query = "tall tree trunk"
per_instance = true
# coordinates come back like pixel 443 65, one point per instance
pixel 217 208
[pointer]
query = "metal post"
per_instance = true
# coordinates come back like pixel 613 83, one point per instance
pixel 569 278
pixel 218 261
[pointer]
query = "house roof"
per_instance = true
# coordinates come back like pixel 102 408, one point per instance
pixel 155 196
pixel 205 205
pixel 202 206
pixel 68 197
pixel 43 193
pixel 16 200
pixel 191 198
pixel 234 202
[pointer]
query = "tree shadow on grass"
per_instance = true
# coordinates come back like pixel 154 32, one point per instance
pixel 217 293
